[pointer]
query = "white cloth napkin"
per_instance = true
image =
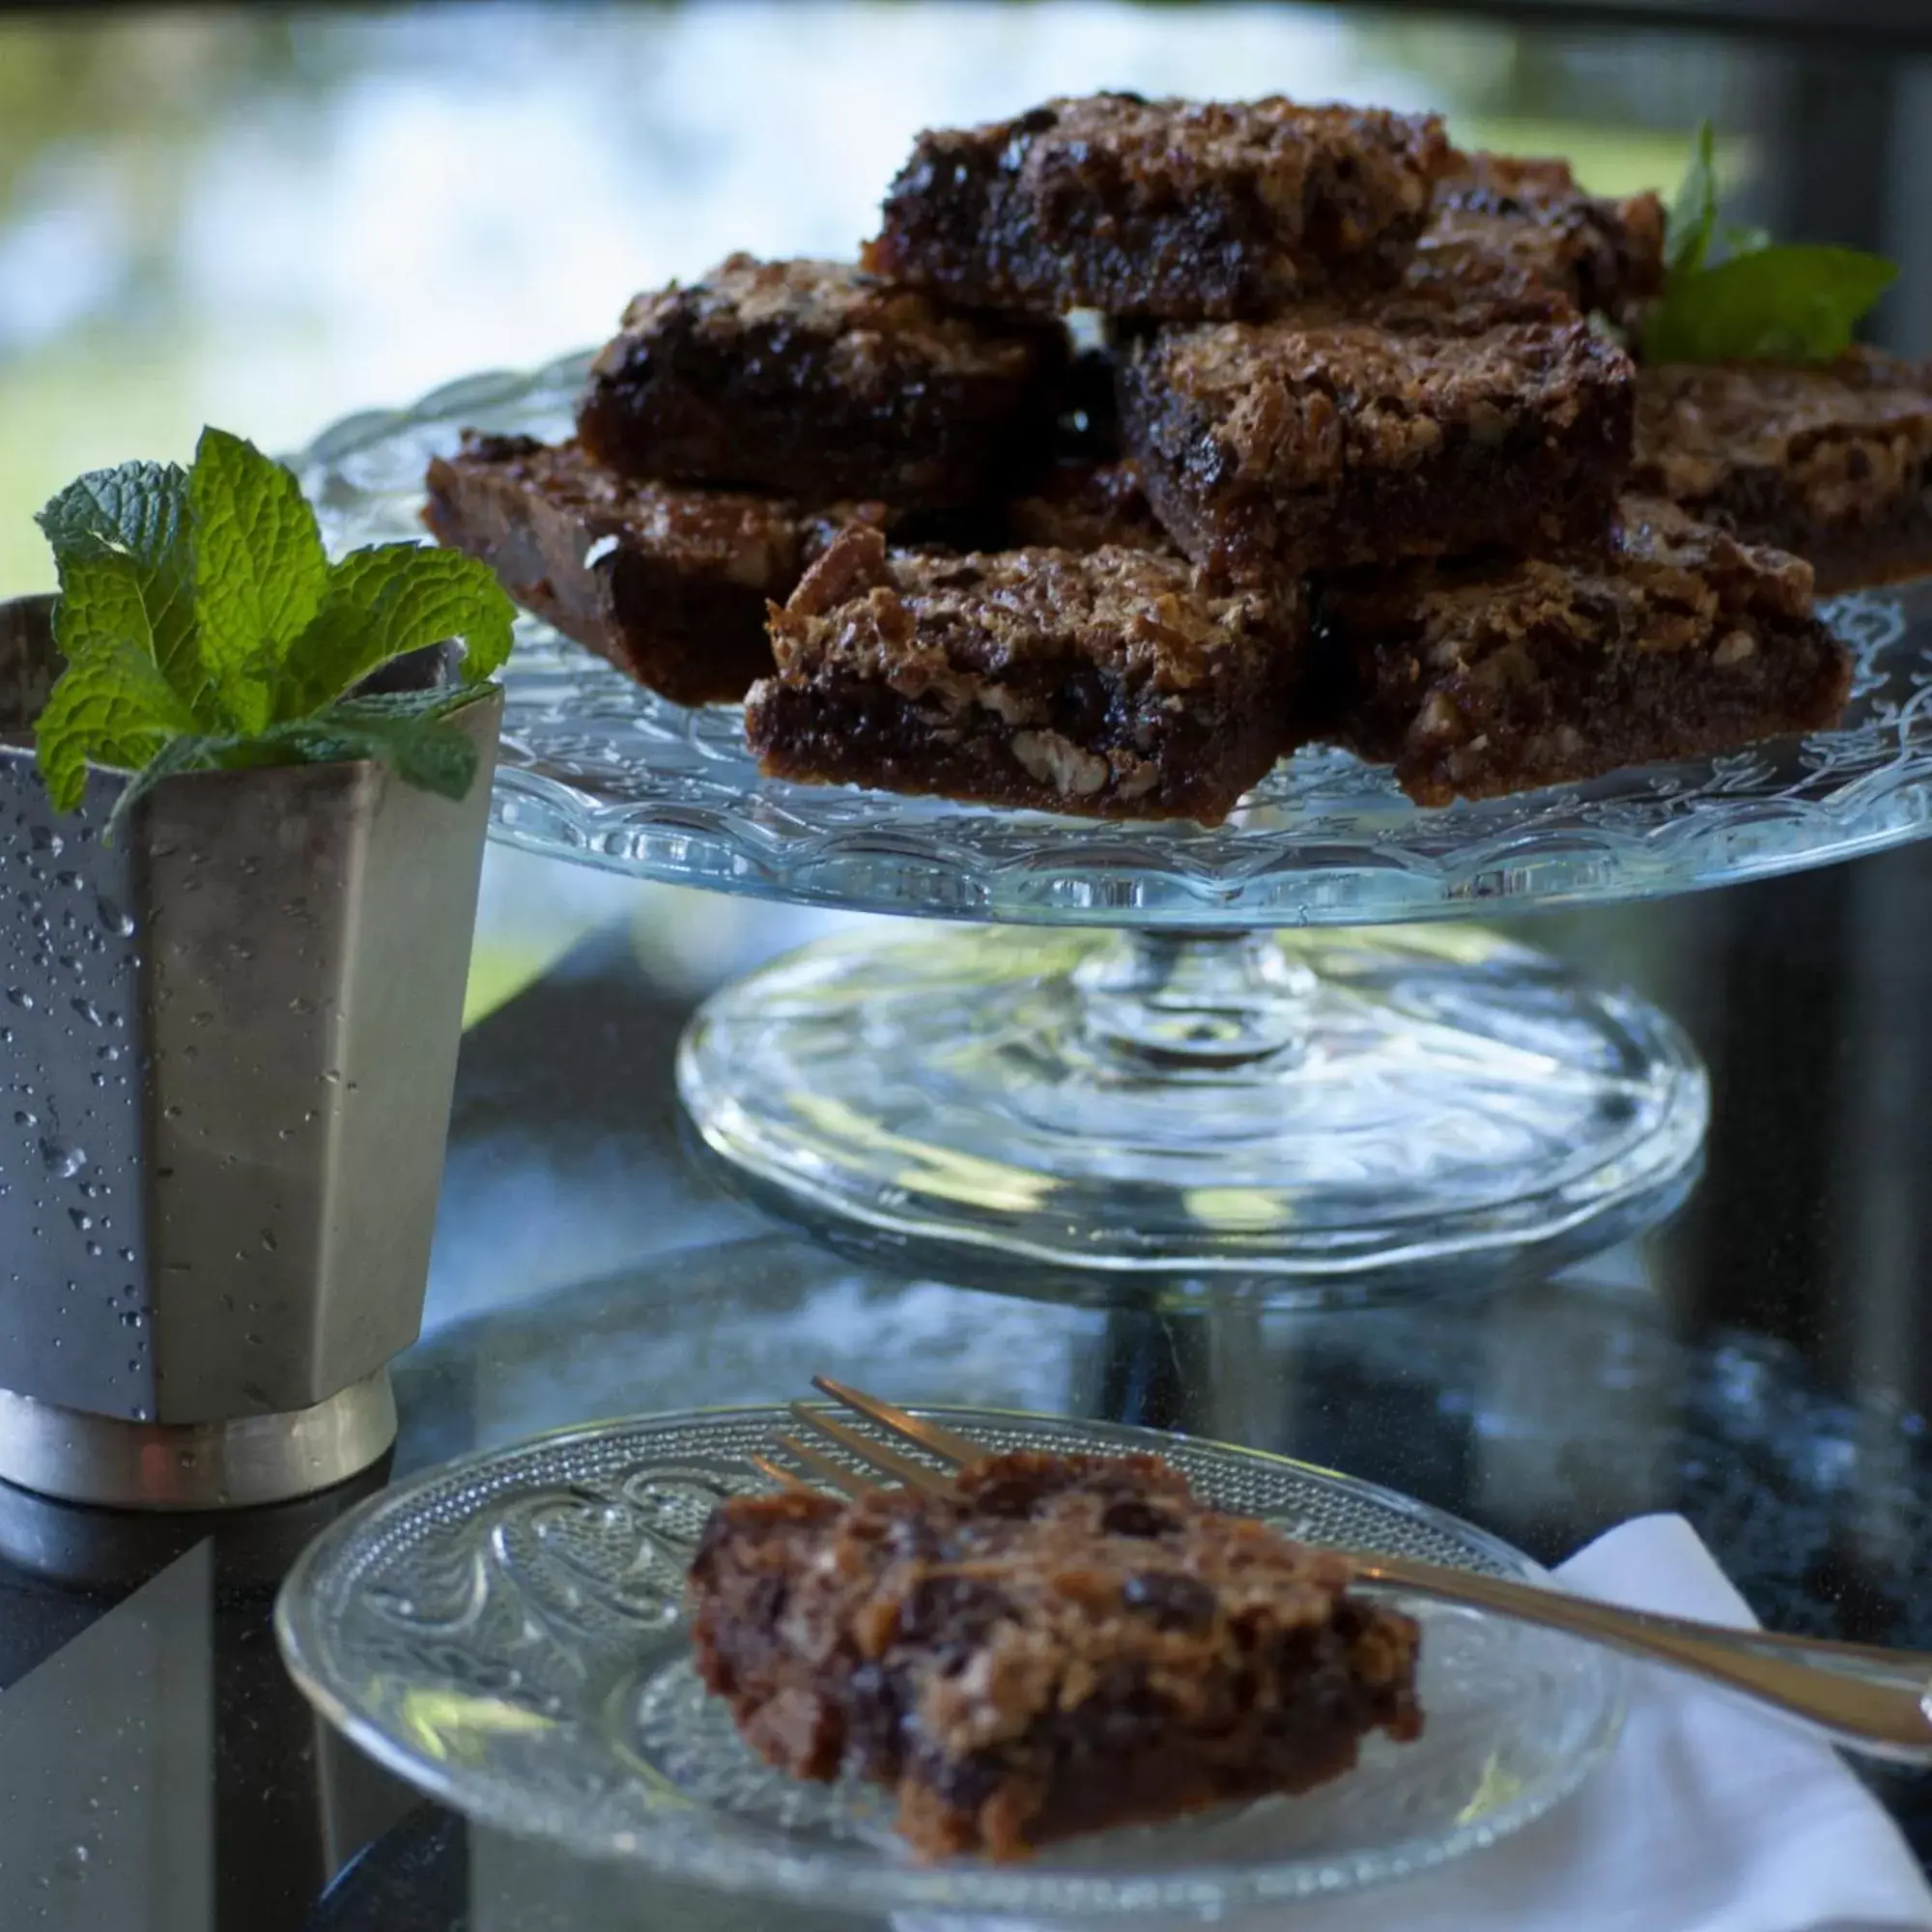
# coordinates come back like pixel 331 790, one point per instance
pixel 1708 1817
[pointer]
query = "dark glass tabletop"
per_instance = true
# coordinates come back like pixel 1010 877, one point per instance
pixel 485 186
pixel 1757 1363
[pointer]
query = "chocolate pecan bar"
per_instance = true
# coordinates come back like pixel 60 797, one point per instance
pixel 1420 428
pixel 1069 1644
pixel 811 379
pixel 1830 460
pixel 1511 227
pixel 1676 642
pixel 669 585
pixel 1160 208
pixel 1112 684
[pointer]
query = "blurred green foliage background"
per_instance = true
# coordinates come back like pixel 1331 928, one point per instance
pixel 269 218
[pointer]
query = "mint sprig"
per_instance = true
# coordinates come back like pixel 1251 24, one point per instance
pixel 1733 294
pixel 1691 219
pixel 205 629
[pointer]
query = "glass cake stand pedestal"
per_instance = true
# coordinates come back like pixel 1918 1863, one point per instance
pixel 1156 1054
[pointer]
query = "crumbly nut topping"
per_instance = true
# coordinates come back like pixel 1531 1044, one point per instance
pixel 1292 400
pixel 1040 1578
pixel 1515 224
pixel 1846 442
pixel 862 322
pixel 933 624
pixel 1171 150
pixel 1666 583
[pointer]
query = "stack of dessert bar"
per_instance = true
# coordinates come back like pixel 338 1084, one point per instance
pixel 1352 455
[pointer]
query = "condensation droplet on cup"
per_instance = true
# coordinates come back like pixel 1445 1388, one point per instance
pixel 64 1161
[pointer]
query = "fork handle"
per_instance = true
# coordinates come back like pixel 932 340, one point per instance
pixel 1858 1697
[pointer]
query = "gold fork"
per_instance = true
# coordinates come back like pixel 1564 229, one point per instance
pixel 1867 1699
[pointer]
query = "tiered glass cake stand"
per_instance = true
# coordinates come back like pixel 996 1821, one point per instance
pixel 1154 1056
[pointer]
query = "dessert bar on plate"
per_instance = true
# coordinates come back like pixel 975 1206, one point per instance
pixel 1830 460
pixel 1415 428
pixel 1475 678
pixel 1514 227
pixel 1110 683
pixel 1066 1644
pixel 814 381
pixel 671 584
pixel 1160 208
pixel 668 584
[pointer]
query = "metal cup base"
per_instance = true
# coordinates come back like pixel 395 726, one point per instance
pixel 237 1463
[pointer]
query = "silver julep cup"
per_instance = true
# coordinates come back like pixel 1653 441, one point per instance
pixel 227 1049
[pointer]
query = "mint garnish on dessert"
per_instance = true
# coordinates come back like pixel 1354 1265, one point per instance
pixel 205 629
pixel 1733 294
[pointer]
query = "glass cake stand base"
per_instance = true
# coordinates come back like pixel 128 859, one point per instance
pixel 1331 1114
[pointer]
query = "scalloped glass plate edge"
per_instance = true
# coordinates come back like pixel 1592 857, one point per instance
pixel 596 770
pixel 963 1887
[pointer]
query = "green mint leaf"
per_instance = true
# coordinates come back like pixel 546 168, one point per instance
pixel 260 569
pixel 426 751
pixel 407 731
pixel 205 630
pixel 422 749
pixel 126 531
pixel 1788 302
pixel 111 704
pixel 381 604
pixel 140 508
pixel 1692 216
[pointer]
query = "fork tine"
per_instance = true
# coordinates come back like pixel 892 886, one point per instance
pixel 929 1436
pixel 875 1454
pixel 835 1473
pixel 777 1472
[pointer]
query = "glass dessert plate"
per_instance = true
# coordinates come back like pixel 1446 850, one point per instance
pixel 1185 1077
pixel 507 1634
